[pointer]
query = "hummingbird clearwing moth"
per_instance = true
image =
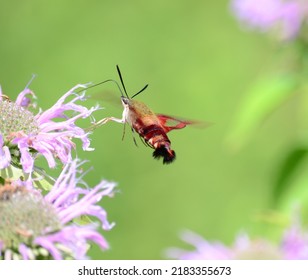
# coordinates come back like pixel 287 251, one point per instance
pixel 152 128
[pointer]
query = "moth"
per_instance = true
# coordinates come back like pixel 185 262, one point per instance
pixel 151 127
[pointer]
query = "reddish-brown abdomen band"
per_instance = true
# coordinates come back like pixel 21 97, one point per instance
pixel 158 139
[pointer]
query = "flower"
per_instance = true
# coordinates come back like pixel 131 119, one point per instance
pixel 204 249
pixel 287 16
pixel 294 246
pixel 33 226
pixel 295 243
pixel 24 136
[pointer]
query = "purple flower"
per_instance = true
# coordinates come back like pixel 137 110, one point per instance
pixel 286 16
pixel 33 226
pixel 295 243
pixel 203 249
pixel 294 246
pixel 24 136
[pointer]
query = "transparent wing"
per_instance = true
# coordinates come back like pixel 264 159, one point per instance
pixel 169 123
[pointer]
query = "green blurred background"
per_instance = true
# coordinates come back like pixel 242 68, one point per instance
pixel 198 63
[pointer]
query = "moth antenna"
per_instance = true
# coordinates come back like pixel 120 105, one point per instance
pixel 140 91
pixel 109 80
pixel 120 75
pixel 122 82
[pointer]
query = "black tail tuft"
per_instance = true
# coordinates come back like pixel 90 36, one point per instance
pixel 167 154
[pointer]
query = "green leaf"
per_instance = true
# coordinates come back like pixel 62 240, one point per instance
pixel 83 220
pixel 287 171
pixel 12 172
pixel 291 189
pixel 41 179
pixel 265 96
pixel 296 196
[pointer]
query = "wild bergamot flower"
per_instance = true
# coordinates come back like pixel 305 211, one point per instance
pixel 293 246
pixel 24 136
pixel 33 226
pixel 285 16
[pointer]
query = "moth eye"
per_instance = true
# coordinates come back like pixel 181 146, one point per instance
pixel 125 100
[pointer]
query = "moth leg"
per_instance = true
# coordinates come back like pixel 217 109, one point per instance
pixel 145 143
pixel 123 131
pixel 105 120
pixel 134 137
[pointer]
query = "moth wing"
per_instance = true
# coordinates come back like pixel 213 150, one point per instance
pixel 169 123
pixel 107 96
